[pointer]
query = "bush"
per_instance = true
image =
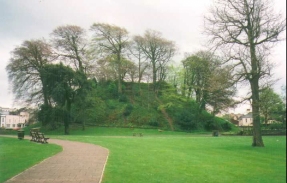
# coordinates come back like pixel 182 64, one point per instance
pixel 128 110
pixel 112 89
pixel 226 126
pixel 276 126
pixel 187 120
pixel 123 98
pixel 153 122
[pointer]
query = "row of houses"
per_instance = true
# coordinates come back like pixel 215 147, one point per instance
pixel 9 121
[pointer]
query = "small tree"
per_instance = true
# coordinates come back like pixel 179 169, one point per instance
pixel 62 83
pixel 271 104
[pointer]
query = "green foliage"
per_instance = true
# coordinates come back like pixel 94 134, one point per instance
pixel 123 98
pixel 102 106
pixel 153 122
pixel 187 115
pixel 271 105
pixel 44 114
pixel 215 123
pixel 128 110
pixel 275 126
pixel 54 116
pixel 186 119
pixel 112 89
pixel 60 80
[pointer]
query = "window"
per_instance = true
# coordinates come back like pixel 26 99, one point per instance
pixel 13 125
pixel 8 125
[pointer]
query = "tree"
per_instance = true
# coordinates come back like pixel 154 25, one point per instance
pixel 158 51
pixel 62 83
pixel 137 52
pixel 196 76
pixel 270 104
pixel 246 30
pixel 71 45
pixel 220 90
pixel 198 69
pixel 111 40
pixel 175 77
pixel 25 71
pixel 210 81
pixel 107 69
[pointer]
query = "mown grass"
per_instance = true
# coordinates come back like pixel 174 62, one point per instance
pixel 173 157
pixel 177 157
pixel 18 155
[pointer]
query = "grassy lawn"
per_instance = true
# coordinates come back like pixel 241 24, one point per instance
pixel 18 155
pixel 160 157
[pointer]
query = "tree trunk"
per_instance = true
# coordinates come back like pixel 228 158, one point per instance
pixel 184 85
pixel 154 76
pixel 119 73
pixel 257 137
pixel 68 120
pixel 254 83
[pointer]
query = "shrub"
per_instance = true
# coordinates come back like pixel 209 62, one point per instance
pixel 123 98
pixel 186 119
pixel 112 89
pixel 153 122
pixel 128 110
pixel 226 126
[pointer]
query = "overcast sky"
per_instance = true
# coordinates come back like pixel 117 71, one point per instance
pixel 178 20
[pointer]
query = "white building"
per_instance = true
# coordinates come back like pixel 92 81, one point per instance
pixel 14 121
pixel 246 120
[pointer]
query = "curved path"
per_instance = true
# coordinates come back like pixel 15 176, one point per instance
pixel 77 163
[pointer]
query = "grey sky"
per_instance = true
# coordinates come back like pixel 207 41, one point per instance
pixel 178 20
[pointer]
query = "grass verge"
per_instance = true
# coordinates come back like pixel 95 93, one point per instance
pixel 18 155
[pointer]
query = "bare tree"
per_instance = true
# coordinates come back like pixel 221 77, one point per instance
pixel 246 30
pixel 137 52
pixel 71 45
pixel 159 51
pixel 26 71
pixel 111 40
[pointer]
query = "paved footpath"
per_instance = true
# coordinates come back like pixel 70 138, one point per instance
pixel 77 163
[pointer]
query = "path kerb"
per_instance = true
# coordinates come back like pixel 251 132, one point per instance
pixel 77 163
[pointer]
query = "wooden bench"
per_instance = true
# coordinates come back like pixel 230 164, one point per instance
pixel 33 135
pixel 42 138
pixel 138 134
pixel 38 136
